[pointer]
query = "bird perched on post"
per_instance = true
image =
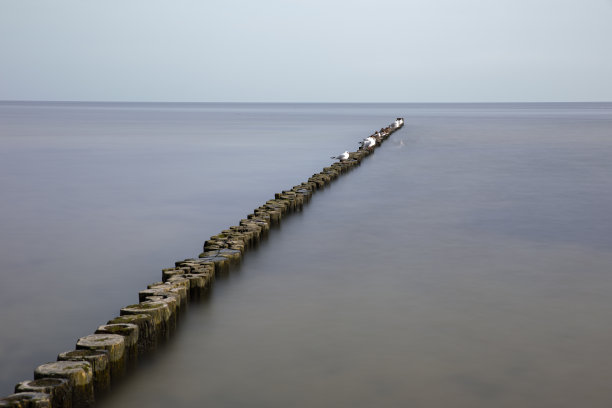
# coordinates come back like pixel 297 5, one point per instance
pixel 377 136
pixel 342 157
pixel 367 142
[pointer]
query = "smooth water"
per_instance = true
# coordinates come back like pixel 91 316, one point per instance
pixel 467 262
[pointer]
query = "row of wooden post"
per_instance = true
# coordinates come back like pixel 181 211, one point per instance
pixel 100 360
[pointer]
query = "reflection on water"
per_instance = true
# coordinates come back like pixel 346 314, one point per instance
pixel 468 265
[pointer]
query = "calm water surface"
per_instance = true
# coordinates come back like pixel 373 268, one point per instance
pixel 467 263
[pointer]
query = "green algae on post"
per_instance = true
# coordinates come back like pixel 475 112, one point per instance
pixel 99 362
pixel 146 330
pixel 78 373
pixel 114 344
pixel 27 400
pixel 159 311
pixel 130 335
pixel 58 389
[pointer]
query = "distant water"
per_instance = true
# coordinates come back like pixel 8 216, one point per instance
pixel 468 262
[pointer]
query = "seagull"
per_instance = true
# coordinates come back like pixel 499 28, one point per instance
pixel 368 142
pixel 364 144
pixel 343 156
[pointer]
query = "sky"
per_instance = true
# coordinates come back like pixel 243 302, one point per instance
pixel 306 51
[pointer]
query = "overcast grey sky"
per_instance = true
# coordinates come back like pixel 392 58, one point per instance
pixel 306 51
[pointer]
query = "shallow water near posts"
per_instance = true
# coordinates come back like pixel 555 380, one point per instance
pixel 466 262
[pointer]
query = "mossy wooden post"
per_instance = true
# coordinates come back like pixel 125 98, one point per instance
pixel 160 313
pixel 183 284
pixel 173 304
pixel 270 214
pixel 162 289
pixel 147 337
pixel 99 362
pixel 130 335
pixel 197 283
pixel 221 263
pixel 114 344
pixel 233 255
pixel 198 266
pixel 78 373
pixel 169 272
pixel 27 400
pixel 179 290
pixel 200 276
pixel 58 389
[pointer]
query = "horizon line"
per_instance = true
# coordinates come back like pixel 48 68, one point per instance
pixel 287 102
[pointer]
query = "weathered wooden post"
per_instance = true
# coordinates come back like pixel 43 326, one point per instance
pixel 79 375
pixel 130 335
pixel 58 389
pixel 114 344
pixel 159 312
pixel 147 336
pixel 26 400
pixel 100 365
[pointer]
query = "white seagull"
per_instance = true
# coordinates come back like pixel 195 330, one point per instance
pixel 368 142
pixel 343 156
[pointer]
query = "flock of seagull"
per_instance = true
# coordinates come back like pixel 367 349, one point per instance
pixel 369 142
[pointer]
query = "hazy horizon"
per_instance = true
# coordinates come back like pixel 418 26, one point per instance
pixel 307 102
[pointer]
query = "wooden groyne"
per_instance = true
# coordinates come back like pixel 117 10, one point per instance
pixel 102 359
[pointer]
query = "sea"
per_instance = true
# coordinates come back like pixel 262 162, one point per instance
pixel 466 263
